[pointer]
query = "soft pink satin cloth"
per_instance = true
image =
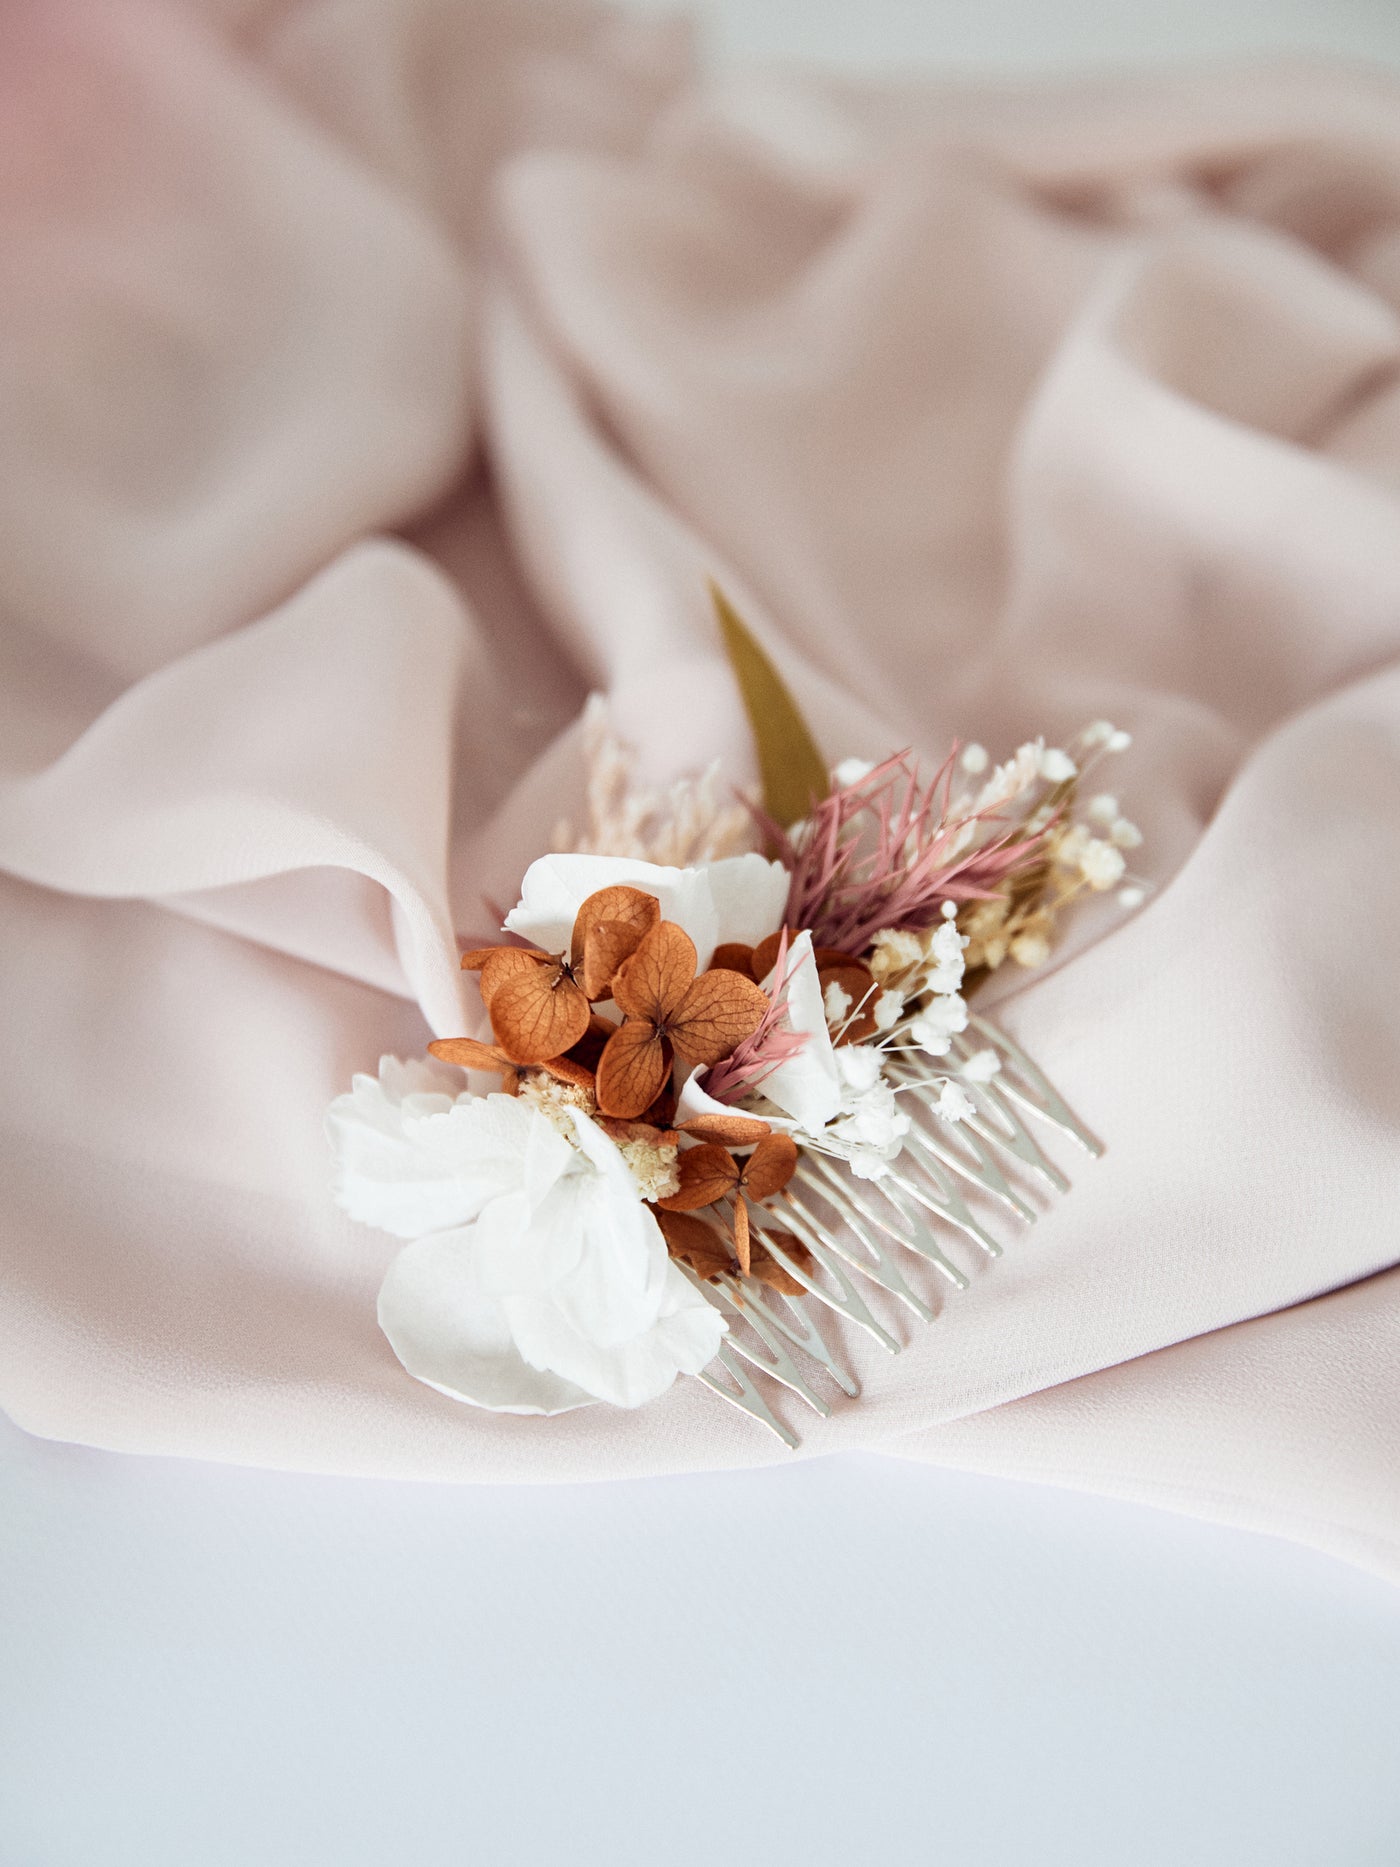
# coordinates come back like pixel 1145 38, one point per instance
pixel 377 377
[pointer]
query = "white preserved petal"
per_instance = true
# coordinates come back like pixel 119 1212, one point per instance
pixel 738 898
pixel 414 1154
pixel 806 1086
pixel 561 1289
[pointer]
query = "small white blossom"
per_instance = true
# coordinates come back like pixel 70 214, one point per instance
pixel 851 771
pixel 949 910
pixel 982 1066
pixel 954 1103
pixel 1057 766
pixel 1125 835
pixel 837 1002
pixel 938 1023
pixel 1132 897
pixel 975 759
pixel 1119 741
pixel 1102 809
pixel 871 1127
pixel 1030 949
pixel 1069 849
pixel 894 951
pixel 945 950
pixel 1099 733
pixel 1101 864
pixel 888 1008
pixel 1009 780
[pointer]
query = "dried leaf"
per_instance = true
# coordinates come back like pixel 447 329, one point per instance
pixel 793 770
pixel 630 912
pixel 697 1241
pixel 468 1054
pixel 770 1166
pixel 707 1173
pixel 608 944
pixel 566 1070
pixel 718 1011
pixel 741 1234
pixel 503 963
pixel 632 1070
pixel 476 958
pixel 538 1014
pixel 653 982
pixel 728 1130
pixel 733 956
pixel 621 1130
pixel 765 954
pixel 766 1268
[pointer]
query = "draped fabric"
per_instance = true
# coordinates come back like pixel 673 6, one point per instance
pixel 378 378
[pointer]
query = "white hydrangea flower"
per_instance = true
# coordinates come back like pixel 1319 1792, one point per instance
pixel 740 898
pixel 537 1280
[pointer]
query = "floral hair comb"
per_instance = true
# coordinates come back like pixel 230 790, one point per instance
pixel 734 1091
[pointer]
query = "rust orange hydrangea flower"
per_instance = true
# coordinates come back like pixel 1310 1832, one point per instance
pixel 668 1011
pixel 705 1251
pixel 540 1004
pixel 709 1173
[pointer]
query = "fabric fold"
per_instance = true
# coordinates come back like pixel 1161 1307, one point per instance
pixel 398 375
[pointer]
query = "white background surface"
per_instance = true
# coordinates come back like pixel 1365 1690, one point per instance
pixel 853 1661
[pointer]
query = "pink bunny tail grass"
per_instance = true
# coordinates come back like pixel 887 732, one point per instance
pixel 885 852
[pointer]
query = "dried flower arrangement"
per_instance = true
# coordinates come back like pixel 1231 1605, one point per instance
pixel 727 1080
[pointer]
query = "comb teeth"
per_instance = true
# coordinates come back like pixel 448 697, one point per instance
pixel 856 1229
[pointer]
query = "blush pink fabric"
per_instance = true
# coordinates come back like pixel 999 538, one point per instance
pixel 378 377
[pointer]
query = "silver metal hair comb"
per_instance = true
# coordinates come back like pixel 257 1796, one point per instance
pixel 857 1230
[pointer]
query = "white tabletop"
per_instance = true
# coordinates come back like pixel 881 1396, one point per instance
pixel 854 1661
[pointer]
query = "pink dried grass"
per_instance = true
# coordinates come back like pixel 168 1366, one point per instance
pixel 759 1054
pixel 882 852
